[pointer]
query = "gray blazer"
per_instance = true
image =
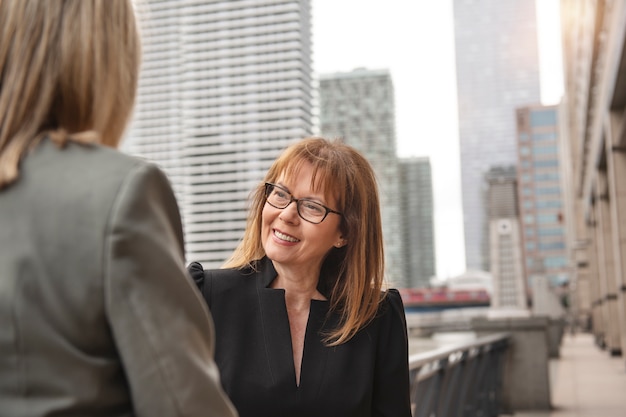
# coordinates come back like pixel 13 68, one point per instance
pixel 97 313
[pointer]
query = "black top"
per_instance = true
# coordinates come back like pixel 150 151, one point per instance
pixel 366 376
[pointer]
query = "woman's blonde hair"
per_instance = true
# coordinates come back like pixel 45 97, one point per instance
pixel 68 69
pixel 354 273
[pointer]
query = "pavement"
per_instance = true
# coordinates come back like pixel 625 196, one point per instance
pixel 585 381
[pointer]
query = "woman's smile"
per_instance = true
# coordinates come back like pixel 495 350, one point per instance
pixel 285 237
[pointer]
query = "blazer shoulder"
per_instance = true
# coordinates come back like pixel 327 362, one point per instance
pixel 95 172
pixel 223 278
pixel 392 307
pixel 392 299
pixel 214 282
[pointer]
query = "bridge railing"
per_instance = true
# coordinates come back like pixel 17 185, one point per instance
pixel 461 380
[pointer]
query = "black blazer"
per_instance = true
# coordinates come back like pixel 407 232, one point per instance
pixel 367 376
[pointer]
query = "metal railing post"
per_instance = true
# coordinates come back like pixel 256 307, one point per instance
pixel 460 381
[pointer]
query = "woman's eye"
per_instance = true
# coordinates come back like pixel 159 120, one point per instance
pixel 281 194
pixel 313 207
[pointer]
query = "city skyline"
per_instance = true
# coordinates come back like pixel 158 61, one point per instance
pixel 431 116
pixel 415 42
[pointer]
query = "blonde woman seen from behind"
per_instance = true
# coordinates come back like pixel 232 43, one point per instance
pixel 97 313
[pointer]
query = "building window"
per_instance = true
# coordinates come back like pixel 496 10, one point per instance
pixel 548 190
pixel 543 118
pixel 554 262
pixel 544 150
pixel 544 136
pixel 548 204
pixel 551 232
pixel 547 218
pixel 551 245
pixel 547 176
pixel 546 163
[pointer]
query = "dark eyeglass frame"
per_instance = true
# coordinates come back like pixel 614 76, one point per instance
pixel 269 187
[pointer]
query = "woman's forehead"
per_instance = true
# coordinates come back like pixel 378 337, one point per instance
pixel 321 180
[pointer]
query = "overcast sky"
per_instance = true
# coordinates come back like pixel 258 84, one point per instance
pixel 415 41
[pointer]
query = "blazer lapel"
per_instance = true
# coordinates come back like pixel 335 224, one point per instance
pixel 275 328
pixel 278 337
pixel 315 355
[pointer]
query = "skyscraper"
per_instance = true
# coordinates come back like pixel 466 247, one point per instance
pixel 540 194
pixel 224 87
pixel 359 107
pixel 497 66
pixel 509 297
pixel 416 213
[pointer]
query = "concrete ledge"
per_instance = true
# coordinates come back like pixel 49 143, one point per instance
pixel 526 383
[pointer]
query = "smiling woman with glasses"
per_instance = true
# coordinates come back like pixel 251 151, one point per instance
pixel 303 325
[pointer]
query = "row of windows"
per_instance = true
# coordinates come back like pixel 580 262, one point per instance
pixel 542 218
pixel 544 150
pixel 545 246
pixel 538 137
pixel 548 204
pixel 542 204
pixel 540 177
pixel 544 231
pixel 547 176
pixel 549 262
pixel 548 218
pixel 538 150
pixel 546 163
pixel 527 191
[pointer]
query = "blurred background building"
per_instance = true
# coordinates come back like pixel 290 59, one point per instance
pixel 358 106
pixel 541 195
pixel 594 154
pixel 509 297
pixel 417 219
pixel 497 70
pixel 224 87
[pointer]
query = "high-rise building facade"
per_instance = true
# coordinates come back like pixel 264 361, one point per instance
pixel 497 67
pixel 359 107
pixel 509 297
pixel 224 87
pixel 541 194
pixel 416 214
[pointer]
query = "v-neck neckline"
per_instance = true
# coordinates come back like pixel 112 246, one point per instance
pixel 277 334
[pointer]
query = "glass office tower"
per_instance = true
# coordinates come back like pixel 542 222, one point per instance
pixel 497 66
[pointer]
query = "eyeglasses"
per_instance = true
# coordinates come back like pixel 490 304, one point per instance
pixel 309 210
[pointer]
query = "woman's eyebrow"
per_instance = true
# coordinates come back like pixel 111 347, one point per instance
pixel 319 198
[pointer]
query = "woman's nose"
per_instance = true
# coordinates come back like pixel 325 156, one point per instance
pixel 290 213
